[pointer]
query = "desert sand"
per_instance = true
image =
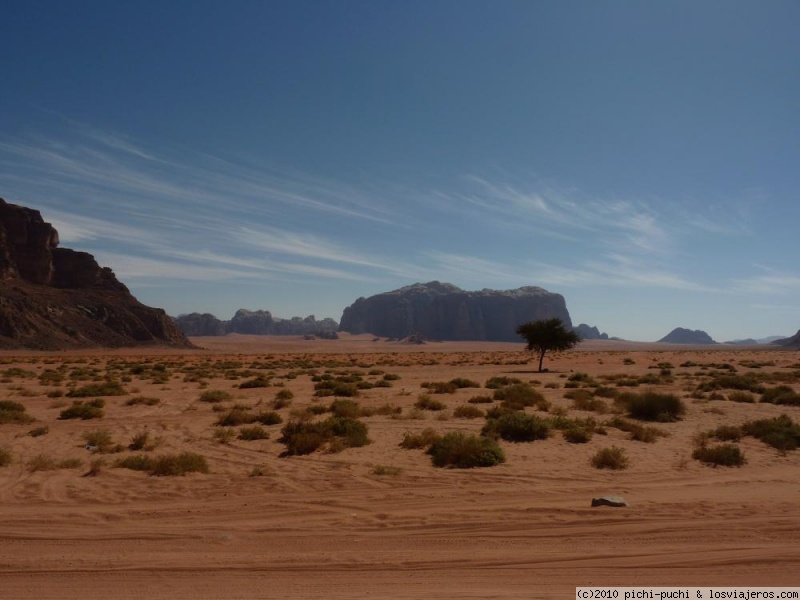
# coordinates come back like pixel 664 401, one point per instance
pixel 381 521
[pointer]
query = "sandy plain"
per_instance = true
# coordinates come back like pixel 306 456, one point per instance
pixel 325 525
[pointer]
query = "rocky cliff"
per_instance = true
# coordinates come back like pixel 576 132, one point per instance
pixel 258 322
pixel 679 335
pixel 53 298
pixel 791 342
pixel 442 311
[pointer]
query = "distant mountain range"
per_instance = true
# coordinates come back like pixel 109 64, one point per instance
pixel 679 335
pixel 255 322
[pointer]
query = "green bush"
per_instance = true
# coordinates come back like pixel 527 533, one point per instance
pixel 610 458
pixel 731 381
pixel 465 451
pixel 480 400
pixel 108 388
pixel 345 408
pixel 653 406
pixel 101 441
pixel 639 433
pixel 140 441
pixel 517 427
pixel 727 433
pixel 520 395
pixel 725 455
pixel 13 412
pixel 92 409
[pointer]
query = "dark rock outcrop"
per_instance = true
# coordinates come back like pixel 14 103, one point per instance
pixel 679 335
pixel 791 342
pixel 258 322
pixel 585 332
pixel 54 298
pixel 196 324
pixel 442 311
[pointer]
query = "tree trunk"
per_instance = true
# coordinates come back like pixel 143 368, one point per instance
pixel 541 359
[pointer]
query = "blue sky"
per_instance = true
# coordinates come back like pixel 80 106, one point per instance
pixel 640 158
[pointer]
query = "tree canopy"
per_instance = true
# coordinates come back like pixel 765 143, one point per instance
pixel 547 334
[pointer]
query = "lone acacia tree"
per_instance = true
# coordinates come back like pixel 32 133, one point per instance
pixel 547 334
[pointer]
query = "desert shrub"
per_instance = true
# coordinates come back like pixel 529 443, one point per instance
pixel 605 392
pixel 480 400
pixel 92 409
pixel 582 379
pixel 653 406
pixel 257 382
pixel 494 383
pixel 384 409
pixel 520 395
pixel 256 432
pixel 214 396
pixel 386 470
pixel 101 441
pixel 225 435
pixel 140 441
pixel 731 381
pixel 96 467
pixel 726 433
pixel 284 394
pixel 639 433
pixel 780 432
pixel 107 388
pixel 391 377
pixel 590 404
pixel 741 396
pixel 440 387
pixel 610 458
pixel 136 462
pixel 13 412
pixel 42 462
pixel 425 402
pixel 145 400
pixel 5 457
pixel 581 394
pixel 782 394
pixel 269 418
pixel 422 439
pixel 463 382
pixel 39 431
pixel 345 408
pixel 304 437
pixel 517 427
pixel 725 455
pixel 577 435
pixel 236 416
pixel 350 432
pixel 467 411
pixel 336 388
pixel 178 464
pixel 465 451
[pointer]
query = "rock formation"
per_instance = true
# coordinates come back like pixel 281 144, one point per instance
pixel 791 342
pixel 442 311
pixel 258 322
pixel 585 332
pixel 679 335
pixel 53 298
